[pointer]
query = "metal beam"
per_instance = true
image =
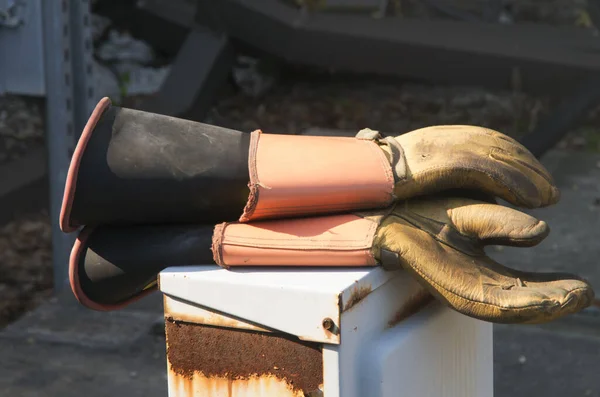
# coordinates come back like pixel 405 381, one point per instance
pixel 66 57
pixel 157 22
pixel 21 48
pixel 199 71
pixel 180 12
pixel 520 56
pixel 81 64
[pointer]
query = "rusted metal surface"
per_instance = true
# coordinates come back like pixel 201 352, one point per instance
pixel 217 361
pixel 177 310
pixel 412 306
pixel 270 299
pixel 359 292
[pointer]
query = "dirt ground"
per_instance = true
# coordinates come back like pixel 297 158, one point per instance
pixel 25 265
pixel 21 126
pixel 300 100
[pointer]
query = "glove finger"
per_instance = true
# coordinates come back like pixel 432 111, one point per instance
pixel 470 157
pixel 479 287
pixel 521 154
pixel 517 155
pixel 517 152
pixel 533 297
pixel 496 224
pixel 538 302
pixel 547 192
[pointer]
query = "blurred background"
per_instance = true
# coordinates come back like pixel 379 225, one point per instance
pixel 528 68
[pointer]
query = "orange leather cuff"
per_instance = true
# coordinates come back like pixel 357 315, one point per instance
pixel 338 240
pixel 293 175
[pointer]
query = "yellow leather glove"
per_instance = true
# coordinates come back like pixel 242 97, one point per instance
pixel 440 241
pixel 433 159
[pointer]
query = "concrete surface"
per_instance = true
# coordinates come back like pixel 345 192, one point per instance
pixel 64 350
pixel 562 358
pixel 532 362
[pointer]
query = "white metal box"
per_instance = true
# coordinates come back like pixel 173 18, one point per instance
pixel 362 332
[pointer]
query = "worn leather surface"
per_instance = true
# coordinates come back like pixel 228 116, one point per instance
pixel 441 240
pixel 436 158
pixel 293 175
pixel 438 239
pixel 335 240
pixel 133 168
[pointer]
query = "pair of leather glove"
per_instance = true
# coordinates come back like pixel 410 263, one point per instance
pixel 424 201
pixel 446 181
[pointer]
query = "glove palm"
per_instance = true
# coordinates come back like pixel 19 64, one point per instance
pixel 441 242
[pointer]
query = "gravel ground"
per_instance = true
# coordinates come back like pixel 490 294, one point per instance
pixel 304 101
pixel 21 126
pixel 25 245
pixel 25 265
pixel 300 100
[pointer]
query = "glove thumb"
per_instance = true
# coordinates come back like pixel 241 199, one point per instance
pixel 497 225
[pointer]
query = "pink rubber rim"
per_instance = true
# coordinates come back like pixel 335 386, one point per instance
pixel 65 211
pixel 78 248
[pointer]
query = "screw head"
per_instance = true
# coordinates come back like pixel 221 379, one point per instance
pixel 328 324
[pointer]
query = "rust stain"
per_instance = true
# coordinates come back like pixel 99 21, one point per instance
pixel 234 362
pixel 208 318
pixel 358 293
pixel 255 386
pixel 414 304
